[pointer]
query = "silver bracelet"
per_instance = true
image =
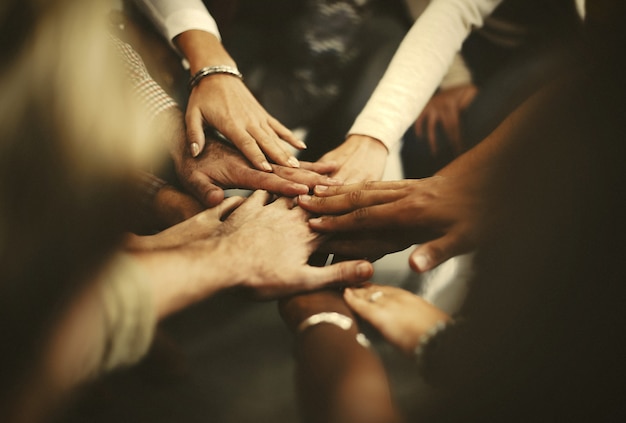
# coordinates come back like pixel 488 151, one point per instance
pixel 212 70
pixel 337 319
pixel 340 320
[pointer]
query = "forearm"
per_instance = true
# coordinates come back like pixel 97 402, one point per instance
pixel 418 67
pixel 183 276
pixel 338 379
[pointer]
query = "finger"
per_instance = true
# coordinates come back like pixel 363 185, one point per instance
pixel 323 168
pixel 419 124
pixel 228 205
pixel 255 179
pixel 306 177
pixel 329 191
pixel 289 204
pixel 258 198
pixel 248 146
pixel 273 146
pixel 432 133
pixel 345 272
pixel 208 193
pixel 370 311
pixel 451 127
pixel 374 217
pixel 341 204
pixel 195 132
pixel 284 133
pixel 431 254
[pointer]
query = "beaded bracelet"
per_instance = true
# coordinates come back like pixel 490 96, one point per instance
pixel 212 70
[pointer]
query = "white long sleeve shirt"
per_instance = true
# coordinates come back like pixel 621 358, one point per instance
pixel 172 17
pixel 418 67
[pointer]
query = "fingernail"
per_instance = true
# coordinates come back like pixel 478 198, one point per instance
pixel 304 198
pixel 320 188
pixel 302 144
pixel 266 166
pixel 293 162
pixel 316 221
pixel 195 149
pixel 421 262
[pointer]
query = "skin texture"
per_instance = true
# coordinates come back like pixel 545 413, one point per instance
pixel 338 380
pixel 220 166
pixel 444 110
pixel 359 158
pixel 224 102
pixel 261 248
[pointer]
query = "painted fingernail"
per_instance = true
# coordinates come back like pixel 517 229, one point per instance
pixel 195 149
pixel 266 166
pixel 293 162
pixel 320 188
pixel 302 144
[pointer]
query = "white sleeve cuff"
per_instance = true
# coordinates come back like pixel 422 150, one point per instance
pixel 188 19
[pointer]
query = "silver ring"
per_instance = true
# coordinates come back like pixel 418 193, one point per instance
pixel 375 296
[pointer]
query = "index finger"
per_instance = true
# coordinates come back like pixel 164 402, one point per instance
pixel 380 216
pixel 329 191
pixel 345 203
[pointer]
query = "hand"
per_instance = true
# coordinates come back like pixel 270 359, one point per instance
pixel 225 103
pixel 198 227
pixel 445 109
pixel 267 247
pixel 400 316
pixel 360 158
pixel 446 214
pixel 221 166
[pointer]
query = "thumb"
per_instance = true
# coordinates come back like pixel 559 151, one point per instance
pixel 203 189
pixel 431 254
pixel 195 132
pixel 347 272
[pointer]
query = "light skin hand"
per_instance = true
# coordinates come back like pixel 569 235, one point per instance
pixel 399 315
pixel 268 246
pixel 360 158
pixel 443 213
pixel 198 227
pixel 221 166
pixel 224 102
pixel 445 109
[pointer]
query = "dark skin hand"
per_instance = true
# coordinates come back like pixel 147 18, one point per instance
pixel 445 214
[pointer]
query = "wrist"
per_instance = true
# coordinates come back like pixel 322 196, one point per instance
pixel 295 310
pixel 365 141
pixel 174 290
pixel 202 49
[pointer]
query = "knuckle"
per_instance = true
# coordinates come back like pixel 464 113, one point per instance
pixel 361 214
pixel 354 197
